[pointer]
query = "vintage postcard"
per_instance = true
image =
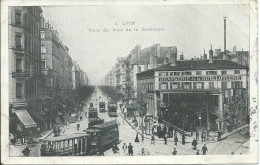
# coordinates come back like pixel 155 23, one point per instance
pixel 112 82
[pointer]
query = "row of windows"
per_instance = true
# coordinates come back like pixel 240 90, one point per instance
pixel 223 72
pixel 198 85
pixel 148 86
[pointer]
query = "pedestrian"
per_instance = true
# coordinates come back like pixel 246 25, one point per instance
pixel 159 131
pixel 194 143
pixel 152 139
pixel 78 125
pixel 175 133
pixel 80 118
pixel 115 149
pixel 124 147
pixel 130 149
pixel 26 151
pixel 176 140
pixel 198 152
pixel 142 151
pixel 203 136
pixel 204 149
pixel 183 139
pixel 219 135
pixel 164 130
pixel 136 138
pixel 165 139
pixel 197 135
pixel 174 152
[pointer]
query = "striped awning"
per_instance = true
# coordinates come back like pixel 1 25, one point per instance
pixel 25 118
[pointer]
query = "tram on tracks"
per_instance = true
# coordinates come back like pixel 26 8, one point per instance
pixel 94 141
pixel 102 137
pixel 102 107
pixel 112 109
pixel 93 117
pixel 67 145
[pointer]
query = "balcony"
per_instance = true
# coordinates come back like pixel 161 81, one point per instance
pixel 23 74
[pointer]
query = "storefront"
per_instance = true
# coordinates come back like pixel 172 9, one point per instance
pixel 191 94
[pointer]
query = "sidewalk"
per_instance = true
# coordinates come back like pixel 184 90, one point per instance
pixel 189 139
pixel 139 131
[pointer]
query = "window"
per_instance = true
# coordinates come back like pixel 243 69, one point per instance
pixel 211 72
pixel 18 65
pixel 43 65
pixel 211 85
pixel 163 85
pixel 223 72
pixel 198 72
pixel 17 18
pixel 186 85
pixel 236 71
pixel 175 73
pixel 43 48
pixel 18 41
pixel 42 34
pixel 198 85
pixel 186 73
pixel 19 90
pixel 174 85
pixel 163 74
pixel 236 84
pixel 223 85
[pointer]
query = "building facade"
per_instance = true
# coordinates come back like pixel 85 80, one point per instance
pixel 56 62
pixel 25 76
pixel 196 94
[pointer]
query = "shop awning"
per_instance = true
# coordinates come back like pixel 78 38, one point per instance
pixel 25 118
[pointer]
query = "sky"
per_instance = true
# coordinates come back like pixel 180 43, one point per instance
pixel 189 27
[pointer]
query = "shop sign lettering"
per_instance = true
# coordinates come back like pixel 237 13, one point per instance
pixel 202 78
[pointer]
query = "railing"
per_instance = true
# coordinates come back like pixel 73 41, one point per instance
pixel 21 74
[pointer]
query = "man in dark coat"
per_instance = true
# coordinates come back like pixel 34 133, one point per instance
pixel 183 139
pixel 174 152
pixel 26 151
pixel 204 149
pixel 176 140
pixel 194 143
pixel 130 149
pixel 136 138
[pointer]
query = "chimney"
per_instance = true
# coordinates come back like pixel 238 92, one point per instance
pixel 181 56
pixel 157 50
pixel 234 49
pixel 225 19
pixel 173 57
pixel 210 55
pixel 204 55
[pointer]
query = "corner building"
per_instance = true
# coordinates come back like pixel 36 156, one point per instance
pixel 25 78
pixel 196 94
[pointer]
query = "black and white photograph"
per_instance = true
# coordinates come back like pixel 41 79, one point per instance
pixel 120 81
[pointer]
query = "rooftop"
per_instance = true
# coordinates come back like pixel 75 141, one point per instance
pixel 199 65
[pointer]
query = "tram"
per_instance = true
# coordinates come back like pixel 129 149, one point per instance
pixel 102 137
pixel 93 117
pixel 67 145
pixel 102 107
pixel 112 109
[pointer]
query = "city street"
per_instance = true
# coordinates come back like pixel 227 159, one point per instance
pixel 127 134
